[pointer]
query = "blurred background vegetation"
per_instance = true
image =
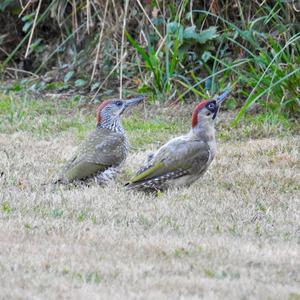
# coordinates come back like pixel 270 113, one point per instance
pixel 173 51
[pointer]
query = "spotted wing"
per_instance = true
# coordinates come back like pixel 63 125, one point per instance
pixel 177 158
pixel 101 150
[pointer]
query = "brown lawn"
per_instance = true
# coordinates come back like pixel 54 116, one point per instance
pixel 235 234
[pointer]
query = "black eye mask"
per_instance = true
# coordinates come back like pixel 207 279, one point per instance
pixel 213 108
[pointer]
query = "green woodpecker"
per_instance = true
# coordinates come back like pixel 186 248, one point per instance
pixel 182 160
pixel 99 157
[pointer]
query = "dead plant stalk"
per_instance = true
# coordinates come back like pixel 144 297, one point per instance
pixel 33 27
pixel 122 48
pixel 99 43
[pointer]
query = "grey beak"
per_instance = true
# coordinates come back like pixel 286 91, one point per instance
pixel 134 101
pixel 222 97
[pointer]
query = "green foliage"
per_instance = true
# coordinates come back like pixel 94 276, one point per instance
pixel 275 87
pixel 82 216
pixel 272 72
pixel 181 52
pixel 6 207
pixel 142 132
pixel 4 4
pixel 80 83
pixel 28 21
pixel 68 76
pixel 181 46
pixel 190 34
pixel 57 213
pixel 41 117
pixel 88 278
pixel 268 73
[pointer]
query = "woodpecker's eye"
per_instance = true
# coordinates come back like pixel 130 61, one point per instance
pixel 119 103
pixel 211 106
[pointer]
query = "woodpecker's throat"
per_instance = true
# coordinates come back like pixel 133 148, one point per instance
pixel 109 121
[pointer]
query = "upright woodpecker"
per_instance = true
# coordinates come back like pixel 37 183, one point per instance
pixel 182 160
pixel 100 155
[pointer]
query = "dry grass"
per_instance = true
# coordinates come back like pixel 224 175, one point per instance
pixel 234 235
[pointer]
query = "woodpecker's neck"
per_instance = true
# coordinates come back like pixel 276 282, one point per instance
pixel 204 130
pixel 110 122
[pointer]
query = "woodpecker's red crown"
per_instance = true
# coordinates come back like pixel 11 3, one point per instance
pixel 99 108
pixel 196 112
pixel 208 109
pixel 115 107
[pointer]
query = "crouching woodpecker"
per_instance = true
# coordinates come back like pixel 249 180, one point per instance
pixel 99 157
pixel 182 160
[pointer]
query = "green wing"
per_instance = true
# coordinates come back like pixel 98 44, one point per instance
pixel 177 156
pixel 82 170
pixel 101 150
pixel 148 172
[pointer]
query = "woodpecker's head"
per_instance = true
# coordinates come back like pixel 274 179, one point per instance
pixel 109 111
pixel 206 111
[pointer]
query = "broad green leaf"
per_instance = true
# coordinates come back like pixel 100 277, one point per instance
pixel 201 37
pixel 205 56
pixel 26 26
pixel 177 29
pixel 95 86
pixel 68 76
pixel 80 83
pixel 158 21
pixel 28 17
pixel 173 27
